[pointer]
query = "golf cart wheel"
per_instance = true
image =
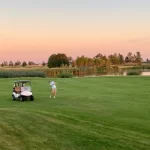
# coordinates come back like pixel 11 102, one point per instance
pixel 21 98
pixel 31 98
pixel 13 97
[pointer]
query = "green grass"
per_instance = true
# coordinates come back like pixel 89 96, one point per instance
pixel 104 113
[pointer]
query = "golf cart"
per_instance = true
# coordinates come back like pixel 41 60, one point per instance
pixel 22 90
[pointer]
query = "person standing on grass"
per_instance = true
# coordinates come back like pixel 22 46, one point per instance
pixel 53 85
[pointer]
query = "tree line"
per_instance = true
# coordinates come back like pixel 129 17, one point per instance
pixel 19 63
pixel 100 60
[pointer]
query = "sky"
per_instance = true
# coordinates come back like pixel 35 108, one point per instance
pixel 35 29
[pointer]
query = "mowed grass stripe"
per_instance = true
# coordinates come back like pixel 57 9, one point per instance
pixel 88 113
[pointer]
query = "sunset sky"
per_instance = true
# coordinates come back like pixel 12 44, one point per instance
pixel 73 27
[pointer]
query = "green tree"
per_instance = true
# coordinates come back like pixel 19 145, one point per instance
pixel 97 62
pixel 43 63
pixel 121 59
pixel 74 63
pixel 11 63
pixel 114 59
pixel 24 64
pixel 62 59
pixel 127 59
pixel 99 56
pixel 2 65
pixel 70 60
pixel 18 63
pixel 80 61
pixel 31 63
pixel 84 61
pixel 134 59
pixel 90 62
pixel 62 66
pixel 5 63
pixel 130 57
pixel 57 60
pixel 52 61
pixel 138 59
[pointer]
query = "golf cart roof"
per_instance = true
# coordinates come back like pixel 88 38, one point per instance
pixel 22 81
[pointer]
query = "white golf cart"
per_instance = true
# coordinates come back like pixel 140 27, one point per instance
pixel 22 90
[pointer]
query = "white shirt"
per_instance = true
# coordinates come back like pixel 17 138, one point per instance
pixel 53 84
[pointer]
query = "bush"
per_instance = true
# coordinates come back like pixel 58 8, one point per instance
pixel 16 74
pixel 136 67
pixel 141 67
pixel 101 69
pixel 107 70
pixel 65 75
pixel 129 73
pixel 146 67
pixel 115 68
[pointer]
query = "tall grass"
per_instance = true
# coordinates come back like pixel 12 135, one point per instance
pixel 57 72
pixel 16 74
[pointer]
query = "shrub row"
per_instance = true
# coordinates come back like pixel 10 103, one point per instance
pixel 65 75
pixel 130 73
pixel 16 74
pixel 141 67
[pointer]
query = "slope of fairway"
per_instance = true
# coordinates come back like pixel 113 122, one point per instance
pixel 106 113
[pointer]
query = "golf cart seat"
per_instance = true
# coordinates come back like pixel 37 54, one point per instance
pixel 17 89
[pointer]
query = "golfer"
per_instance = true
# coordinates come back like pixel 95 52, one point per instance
pixel 53 85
